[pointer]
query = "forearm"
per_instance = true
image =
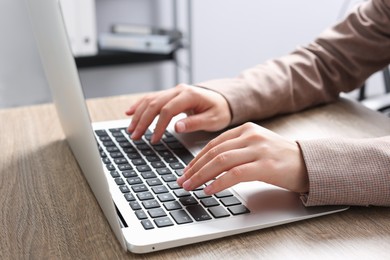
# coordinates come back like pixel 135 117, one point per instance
pixel 338 61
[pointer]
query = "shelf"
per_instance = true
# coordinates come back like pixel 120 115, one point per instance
pixel 106 58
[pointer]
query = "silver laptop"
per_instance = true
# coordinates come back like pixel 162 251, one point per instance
pixel 135 182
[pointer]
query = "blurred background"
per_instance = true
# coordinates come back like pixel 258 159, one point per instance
pixel 218 39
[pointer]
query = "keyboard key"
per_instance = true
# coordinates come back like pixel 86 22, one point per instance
pixel 138 162
pixel 156 213
pixel 153 182
pixel 172 205
pixel 163 171
pixel 238 209
pixel 164 197
pixel 180 217
pixel 189 200
pixel 169 177
pixel 165 153
pixel 173 185
pixel 133 155
pixel 143 146
pixel 120 161
pixel 230 201
pixel 224 193
pixel 169 139
pixel 152 158
pixel 105 138
pixel 158 164
pixel 114 130
pixel 119 181
pixel 125 144
pixel 141 214
pixel 163 222
pixel 150 204
pixel 116 155
pixel 125 167
pixel 129 150
pixel 143 168
pixel 110 167
pixel 135 205
pixel 148 175
pixel 160 189
pixel 181 193
pixel 108 143
pixel 218 212
pixel 106 160
pixel 180 172
pixel 160 148
pixel 147 195
pixel 176 165
pixel 120 139
pixel 200 194
pixel 134 180
pixel 139 142
pixel 198 212
pixel 147 224
pixel 101 132
pixel 114 174
pixel 112 149
pixel 129 197
pixel 117 134
pixel 124 189
pixel 139 188
pixel 170 159
pixel 209 202
pixel 129 174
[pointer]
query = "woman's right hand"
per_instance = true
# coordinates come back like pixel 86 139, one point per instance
pixel 206 110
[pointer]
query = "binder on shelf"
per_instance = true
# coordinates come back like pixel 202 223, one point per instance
pixel 152 33
pixel 80 23
pixel 138 38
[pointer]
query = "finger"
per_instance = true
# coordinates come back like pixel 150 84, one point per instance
pixel 228 135
pixel 195 122
pixel 175 106
pixel 133 107
pixel 136 120
pixel 221 163
pixel 207 157
pixel 148 110
pixel 240 173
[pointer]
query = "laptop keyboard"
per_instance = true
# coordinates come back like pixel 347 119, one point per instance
pixel 146 174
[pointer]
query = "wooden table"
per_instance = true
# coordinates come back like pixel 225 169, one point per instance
pixel 48 210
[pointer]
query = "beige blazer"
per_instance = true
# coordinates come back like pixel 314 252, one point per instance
pixel 353 172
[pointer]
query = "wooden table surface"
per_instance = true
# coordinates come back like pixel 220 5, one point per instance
pixel 49 212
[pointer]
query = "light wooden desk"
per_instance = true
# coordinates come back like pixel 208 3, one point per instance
pixel 48 211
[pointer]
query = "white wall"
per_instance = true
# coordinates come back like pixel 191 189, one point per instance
pixel 21 75
pixel 228 36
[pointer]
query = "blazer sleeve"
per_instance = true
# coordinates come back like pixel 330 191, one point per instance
pixel 351 172
pixel 347 171
pixel 339 60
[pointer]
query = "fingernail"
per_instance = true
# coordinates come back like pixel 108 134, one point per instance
pixel 180 180
pixel 134 134
pixel 187 185
pixel 209 189
pixel 180 127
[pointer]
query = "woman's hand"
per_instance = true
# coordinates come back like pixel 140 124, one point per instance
pixel 247 153
pixel 206 110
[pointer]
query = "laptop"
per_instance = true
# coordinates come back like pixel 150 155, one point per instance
pixel 134 181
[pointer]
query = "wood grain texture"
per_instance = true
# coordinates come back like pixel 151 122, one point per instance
pixel 49 212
